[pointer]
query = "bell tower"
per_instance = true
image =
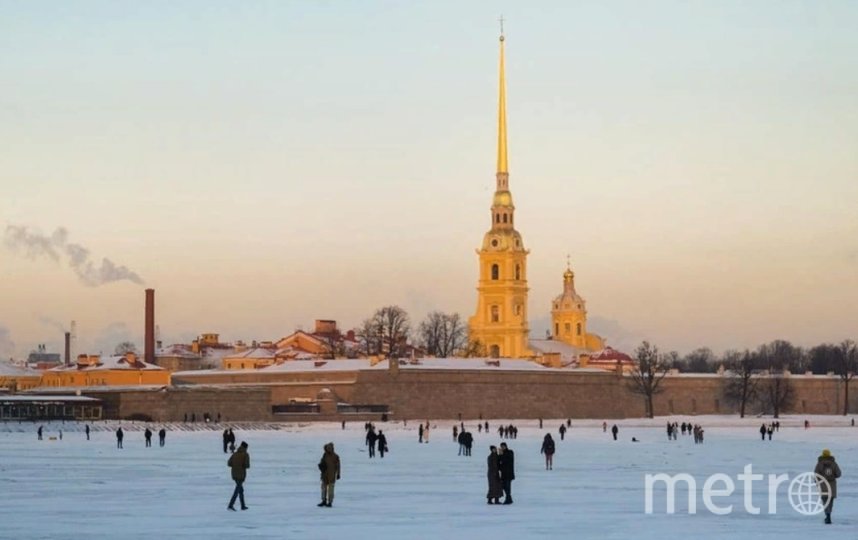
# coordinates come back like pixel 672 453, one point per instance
pixel 500 321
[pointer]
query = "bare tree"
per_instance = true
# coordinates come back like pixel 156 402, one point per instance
pixel 125 347
pixel 650 369
pixel 332 342
pixel 847 358
pixel 386 331
pixel 442 334
pixel 776 393
pixel 700 360
pixel 741 385
pixel 474 348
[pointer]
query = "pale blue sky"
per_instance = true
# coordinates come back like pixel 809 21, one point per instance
pixel 263 164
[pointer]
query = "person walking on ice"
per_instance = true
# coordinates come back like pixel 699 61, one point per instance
pixel 329 466
pixel 119 436
pixel 87 431
pixel 828 469
pixel 548 451
pixel 148 436
pixel 614 431
pixel 382 443
pixel 239 462
pixel 162 437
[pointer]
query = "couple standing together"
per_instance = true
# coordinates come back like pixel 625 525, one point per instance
pixel 501 473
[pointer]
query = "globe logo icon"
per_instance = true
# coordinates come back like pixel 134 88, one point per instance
pixel 805 493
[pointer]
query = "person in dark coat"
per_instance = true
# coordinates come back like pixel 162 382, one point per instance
pixel 371 439
pixel 119 436
pixel 461 440
pixel 763 432
pixel 548 451
pixel 382 443
pixel 828 469
pixel 148 436
pixel 495 484
pixel 562 432
pixel 231 440
pixel 469 442
pixel 87 431
pixel 420 434
pixel 39 432
pixel 239 462
pixel 162 437
pixel 507 471
pixel 614 431
pixel 225 439
pixel 329 466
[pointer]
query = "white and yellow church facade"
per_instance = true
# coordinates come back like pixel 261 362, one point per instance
pixel 499 326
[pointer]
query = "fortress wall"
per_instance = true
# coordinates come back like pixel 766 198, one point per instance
pixel 422 394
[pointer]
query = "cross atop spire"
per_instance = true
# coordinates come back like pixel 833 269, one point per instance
pixel 501 26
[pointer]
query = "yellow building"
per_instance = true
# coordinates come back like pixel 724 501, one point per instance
pixel 254 358
pixel 569 317
pixel 14 378
pixel 95 370
pixel 500 321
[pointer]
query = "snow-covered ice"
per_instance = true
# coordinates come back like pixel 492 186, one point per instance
pixel 73 488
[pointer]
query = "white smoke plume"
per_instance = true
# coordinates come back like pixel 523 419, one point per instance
pixel 7 346
pixel 34 244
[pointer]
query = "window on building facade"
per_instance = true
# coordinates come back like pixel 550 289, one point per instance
pixel 578 329
pixel 517 271
pixel 495 272
pixel 567 327
pixel 495 314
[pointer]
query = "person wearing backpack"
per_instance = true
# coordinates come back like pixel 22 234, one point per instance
pixel 548 451
pixel 828 469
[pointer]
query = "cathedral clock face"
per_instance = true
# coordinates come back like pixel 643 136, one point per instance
pixel 495 242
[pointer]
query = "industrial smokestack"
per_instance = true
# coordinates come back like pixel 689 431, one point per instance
pixel 68 349
pixel 149 339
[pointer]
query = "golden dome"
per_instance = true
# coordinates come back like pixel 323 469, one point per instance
pixel 502 198
pixel 568 274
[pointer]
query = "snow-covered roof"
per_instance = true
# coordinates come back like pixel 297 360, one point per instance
pixel 256 352
pixel 180 351
pixel 361 364
pixel 11 370
pixel 609 354
pixel 31 399
pixel 111 363
pixel 73 390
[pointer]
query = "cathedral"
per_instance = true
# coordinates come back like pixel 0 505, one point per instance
pixel 500 322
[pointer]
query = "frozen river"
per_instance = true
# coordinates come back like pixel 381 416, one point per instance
pixel 73 488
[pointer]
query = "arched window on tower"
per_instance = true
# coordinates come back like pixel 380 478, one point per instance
pixel 556 329
pixel 495 314
pixel 567 328
pixel 495 272
pixel 504 218
pixel 578 329
pixel 497 218
pixel 518 271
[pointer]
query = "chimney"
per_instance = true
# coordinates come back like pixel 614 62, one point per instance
pixel 149 339
pixel 68 349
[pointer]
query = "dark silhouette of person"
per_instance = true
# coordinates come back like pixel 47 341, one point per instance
pixel 562 432
pixel 86 429
pixel 239 462
pixel 420 433
pixel 548 451
pixel 382 443
pixel 162 437
pixel 614 431
pixel 39 432
pixel 763 432
pixel 148 436
pixel 469 443
pixel 371 439
pixel 507 471
pixel 119 436
pixel 493 475
pixel 225 439
pixel 828 469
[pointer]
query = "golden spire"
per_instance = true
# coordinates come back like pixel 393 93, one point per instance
pixel 502 163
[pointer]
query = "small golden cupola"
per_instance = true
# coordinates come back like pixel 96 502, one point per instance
pixel 569 317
